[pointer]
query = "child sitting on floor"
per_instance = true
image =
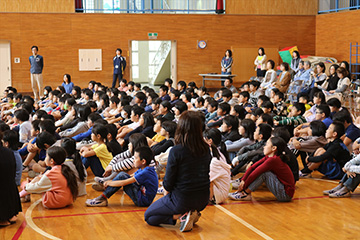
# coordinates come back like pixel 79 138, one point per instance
pixel 273 170
pixel 332 158
pixel 141 187
pixel 58 184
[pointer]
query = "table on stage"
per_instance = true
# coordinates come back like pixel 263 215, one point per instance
pixel 215 77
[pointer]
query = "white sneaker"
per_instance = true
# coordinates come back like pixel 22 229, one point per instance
pixel 160 191
pixel 240 196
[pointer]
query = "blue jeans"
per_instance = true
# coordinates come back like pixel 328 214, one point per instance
pixel 273 184
pixel 94 163
pixel 162 211
pixel 351 183
pixel 132 189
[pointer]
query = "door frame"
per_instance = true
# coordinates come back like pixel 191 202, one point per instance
pixel 10 69
pixel 173 58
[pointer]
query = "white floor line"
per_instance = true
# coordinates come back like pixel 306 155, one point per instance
pixel 325 180
pixel 243 222
pixel 31 224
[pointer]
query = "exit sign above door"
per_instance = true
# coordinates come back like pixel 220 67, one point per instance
pixel 152 35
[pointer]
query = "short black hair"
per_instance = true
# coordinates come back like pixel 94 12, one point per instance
pixel 35 124
pixel 334 102
pixel 267 118
pixel 166 104
pixel 226 93
pixel 22 115
pixel 45 138
pixel 169 127
pixel 119 49
pixel 230 79
pixel 343 116
pixel 318 128
pixel 164 88
pixel 182 83
pixel 115 100
pixel 245 95
pixel 282 132
pixel 141 96
pixel 169 80
pixel 279 94
pixel 305 97
pixel 225 107
pixel 324 108
pixel 339 128
pixel 300 107
pixel 112 129
pixel 254 83
pixel 36 47
pixel 232 121
pixel 181 106
pixel 94 116
pixel 267 104
pixel 88 93
pixel 47 125
pixel 137 110
pixel 241 111
pixel 176 93
pixel 263 98
pixel 258 112
pixel 265 130
pixel 145 153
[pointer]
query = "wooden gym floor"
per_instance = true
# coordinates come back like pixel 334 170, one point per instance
pixel 309 216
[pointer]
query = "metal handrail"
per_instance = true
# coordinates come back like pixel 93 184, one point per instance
pixel 337 9
pixel 159 58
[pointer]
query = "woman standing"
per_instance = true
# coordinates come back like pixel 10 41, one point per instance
pixel 226 63
pixel 10 204
pixel 259 62
pixel 295 61
pixel 186 183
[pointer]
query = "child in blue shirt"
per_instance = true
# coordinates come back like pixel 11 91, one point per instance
pixel 141 186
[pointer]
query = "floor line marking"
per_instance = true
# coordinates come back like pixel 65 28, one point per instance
pixel 143 210
pixel 19 231
pixel 243 222
pixel 32 225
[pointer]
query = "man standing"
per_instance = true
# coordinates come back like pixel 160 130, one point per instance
pixel 119 66
pixel 37 65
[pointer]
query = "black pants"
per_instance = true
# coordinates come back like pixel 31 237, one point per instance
pixel 115 77
pixel 260 73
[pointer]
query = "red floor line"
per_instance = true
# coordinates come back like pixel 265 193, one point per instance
pixel 19 231
pixel 143 210
pixel 82 214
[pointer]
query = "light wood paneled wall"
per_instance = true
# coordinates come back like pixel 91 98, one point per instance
pixel 272 7
pixel 48 6
pixel 59 36
pixel 335 31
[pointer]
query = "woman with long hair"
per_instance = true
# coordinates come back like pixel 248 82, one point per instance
pixel 186 182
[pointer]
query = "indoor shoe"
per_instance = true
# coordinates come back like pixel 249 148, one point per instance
pixel 240 196
pixel 331 191
pixel 342 193
pixel 96 202
pixel 187 221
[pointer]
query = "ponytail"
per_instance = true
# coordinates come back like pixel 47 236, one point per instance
pixel 223 150
pixel 281 147
pixel 69 145
pixel 215 135
pixel 71 180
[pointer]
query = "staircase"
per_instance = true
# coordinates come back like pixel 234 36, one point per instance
pixel 160 65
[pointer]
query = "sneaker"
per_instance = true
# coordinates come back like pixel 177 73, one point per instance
pixel 25 168
pixel 331 191
pixel 99 180
pixel 25 199
pixel 96 202
pixel 304 175
pixel 240 196
pixel 187 221
pixel 98 187
pixel 235 183
pixel 160 191
pixel 342 193
pixel 197 216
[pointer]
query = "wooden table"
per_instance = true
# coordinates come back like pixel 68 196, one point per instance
pixel 215 77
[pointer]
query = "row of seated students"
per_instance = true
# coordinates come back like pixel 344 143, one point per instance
pixel 126 138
